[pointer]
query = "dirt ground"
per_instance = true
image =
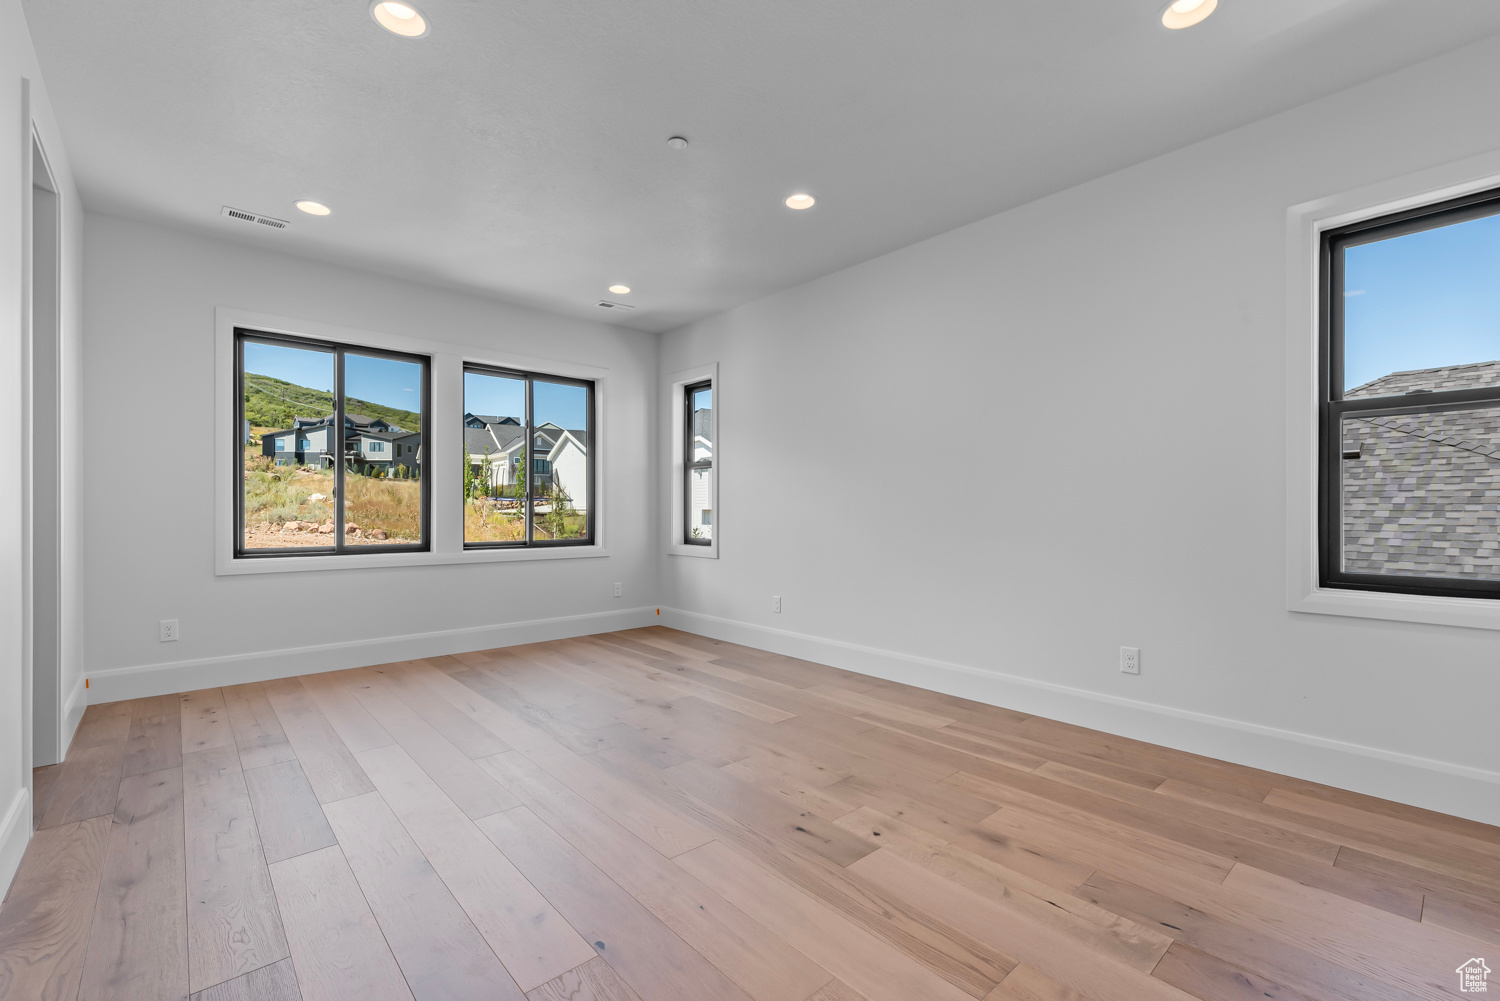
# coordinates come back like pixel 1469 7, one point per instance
pixel 264 536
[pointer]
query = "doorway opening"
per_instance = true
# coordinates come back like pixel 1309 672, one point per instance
pixel 42 377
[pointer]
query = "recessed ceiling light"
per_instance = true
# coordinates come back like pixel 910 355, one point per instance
pixel 399 18
pixel 620 289
pixel 677 142
pixel 800 201
pixel 313 208
pixel 1186 13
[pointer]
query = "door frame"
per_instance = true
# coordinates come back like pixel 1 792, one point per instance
pixel 41 419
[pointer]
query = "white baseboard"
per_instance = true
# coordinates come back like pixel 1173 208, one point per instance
pixel 77 702
pixel 15 833
pixel 1459 790
pixel 114 685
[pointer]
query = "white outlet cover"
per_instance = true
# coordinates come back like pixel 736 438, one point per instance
pixel 1130 660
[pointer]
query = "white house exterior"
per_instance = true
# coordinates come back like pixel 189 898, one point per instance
pixel 700 499
pixel 570 470
pixel 559 457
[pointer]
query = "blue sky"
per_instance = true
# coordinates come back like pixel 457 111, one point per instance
pixel 313 369
pixel 1422 300
pixel 565 406
pixel 494 396
pixel 399 384
pixel 386 381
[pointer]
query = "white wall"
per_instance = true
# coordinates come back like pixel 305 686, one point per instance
pixel 1096 386
pixel 149 368
pixel 18 63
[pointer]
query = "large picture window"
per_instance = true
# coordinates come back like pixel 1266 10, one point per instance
pixel 698 464
pixel 331 437
pixel 528 459
pixel 1409 483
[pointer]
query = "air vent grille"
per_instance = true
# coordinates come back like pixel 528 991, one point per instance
pixel 255 217
pixel 606 304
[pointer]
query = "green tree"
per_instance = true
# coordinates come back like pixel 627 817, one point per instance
pixel 522 472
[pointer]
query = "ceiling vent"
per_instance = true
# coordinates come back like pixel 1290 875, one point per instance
pixel 263 220
pixel 606 304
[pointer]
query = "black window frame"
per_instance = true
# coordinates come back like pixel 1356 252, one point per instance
pixel 691 465
pixel 340 546
pixel 1334 408
pixel 591 456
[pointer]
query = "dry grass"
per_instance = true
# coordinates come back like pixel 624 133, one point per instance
pixel 392 505
pixel 275 495
pixel 484 522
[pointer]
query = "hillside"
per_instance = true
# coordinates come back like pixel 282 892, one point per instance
pixel 272 403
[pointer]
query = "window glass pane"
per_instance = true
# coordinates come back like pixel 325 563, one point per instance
pixel 494 438
pixel 288 472
pixel 383 489
pixel 560 474
pixel 700 503
pixel 1422 311
pixel 703 424
pixel 1421 494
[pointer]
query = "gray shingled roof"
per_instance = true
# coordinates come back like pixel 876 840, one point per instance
pixel 478 441
pixel 498 437
pixel 382 435
pixel 494 437
pixel 1479 375
pixel 1423 495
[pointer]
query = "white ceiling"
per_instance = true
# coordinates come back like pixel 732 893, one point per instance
pixel 520 149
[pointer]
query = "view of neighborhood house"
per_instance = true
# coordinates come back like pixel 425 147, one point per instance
pixel 700 499
pixel 292 446
pixel 497 452
pixel 1420 490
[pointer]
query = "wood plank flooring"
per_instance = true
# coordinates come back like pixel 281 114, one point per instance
pixel 654 816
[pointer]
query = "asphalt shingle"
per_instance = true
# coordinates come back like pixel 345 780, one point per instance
pixel 1422 494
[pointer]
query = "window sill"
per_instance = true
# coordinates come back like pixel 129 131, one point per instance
pixel 229 567
pixel 709 552
pixel 1473 613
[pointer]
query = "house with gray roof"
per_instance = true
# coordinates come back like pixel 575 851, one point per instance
pixel 1421 492
pixel 359 421
pixel 559 456
pixel 480 420
pixel 370 445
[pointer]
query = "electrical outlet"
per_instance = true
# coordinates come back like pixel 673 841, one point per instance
pixel 619 589
pixel 169 630
pixel 776 603
pixel 1130 660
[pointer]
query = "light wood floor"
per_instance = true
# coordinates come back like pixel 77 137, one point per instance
pixel 653 815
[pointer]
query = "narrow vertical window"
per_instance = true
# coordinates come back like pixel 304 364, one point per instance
pixel 698 464
pixel 319 474
pixel 528 459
